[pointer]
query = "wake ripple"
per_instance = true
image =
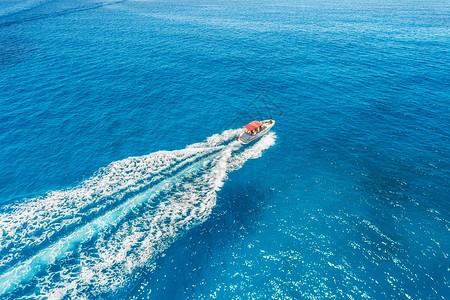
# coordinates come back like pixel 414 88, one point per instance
pixel 27 11
pixel 87 241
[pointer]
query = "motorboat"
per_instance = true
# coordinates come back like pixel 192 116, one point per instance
pixel 254 130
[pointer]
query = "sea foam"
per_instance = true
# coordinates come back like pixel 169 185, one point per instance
pixel 87 240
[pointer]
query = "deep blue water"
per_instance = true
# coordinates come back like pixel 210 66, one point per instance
pixel 347 198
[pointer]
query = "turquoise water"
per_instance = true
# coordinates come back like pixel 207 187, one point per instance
pixel 120 176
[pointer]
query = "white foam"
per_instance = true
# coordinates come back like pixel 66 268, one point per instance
pixel 99 254
pixel 256 151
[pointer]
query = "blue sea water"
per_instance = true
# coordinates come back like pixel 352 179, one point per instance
pixel 120 177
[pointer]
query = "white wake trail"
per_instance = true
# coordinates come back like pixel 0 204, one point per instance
pixel 99 254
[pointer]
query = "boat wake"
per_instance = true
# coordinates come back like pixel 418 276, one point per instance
pixel 85 242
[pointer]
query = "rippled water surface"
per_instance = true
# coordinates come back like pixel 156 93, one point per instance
pixel 121 177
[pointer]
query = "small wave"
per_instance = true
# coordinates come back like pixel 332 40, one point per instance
pixel 26 11
pixel 16 6
pixel 86 241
